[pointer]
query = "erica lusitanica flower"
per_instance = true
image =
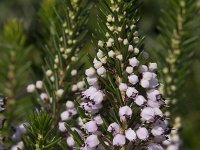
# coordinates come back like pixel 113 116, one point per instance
pixel 122 107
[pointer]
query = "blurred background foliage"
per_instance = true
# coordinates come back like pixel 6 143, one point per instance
pixel 29 11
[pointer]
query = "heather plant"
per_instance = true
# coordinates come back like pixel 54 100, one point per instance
pixel 123 100
pixel 176 48
pixel 15 64
pixel 62 61
pixel 121 108
pixel 40 132
pixel 63 69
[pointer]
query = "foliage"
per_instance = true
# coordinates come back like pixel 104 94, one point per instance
pixel 178 44
pixel 14 60
pixel 41 135
pixel 47 17
pixel 65 25
pixel 62 53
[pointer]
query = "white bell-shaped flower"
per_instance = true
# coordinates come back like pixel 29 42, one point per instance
pixel 161 124
pixel 98 120
pixel 149 80
pixel 97 64
pixel 145 83
pixel 92 80
pixel 59 92
pixel 125 42
pixel 120 57
pixel 123 87
pixel 21 129
pixel 62 127
pixel 74 72
pixel 39 84
pixel 92 141
pixel 30 88
pixel 90 72
pixel 114 128
pixel 133 79
pixel 154 104
pixel 91 126
pixel 158 112
pixel 142 68
pixel 111 54
pixel 136 50
pixel 154 95
pixel 147 114
pixel 130 48
pixel 131 92
pixel 49 73
pixel 70 141
pixel 97 97
pixel 153 82
pixel 104 60
pixel 142 133
pixel 74 88
pixel 100 54
pixel 119 140
pixel 147 75
pixel 80 85
pixel 130 134
pixel 87 93
pixel 153 66
pixel 70 104
pixel 129 70
pixel 133 62
pixel 65 116
pixel 72 112
pixel 140 100
pixel 125 112
pixel 101 70
pixel 44 96
pixel 157 130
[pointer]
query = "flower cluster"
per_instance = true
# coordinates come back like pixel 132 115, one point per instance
pixel 67 116
pixel 140 93
pixel 122 106
pixel 122 90
pixel 43 97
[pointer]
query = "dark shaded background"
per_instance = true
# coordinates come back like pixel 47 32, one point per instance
pixel 189 108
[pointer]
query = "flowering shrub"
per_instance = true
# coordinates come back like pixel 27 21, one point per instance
pixel 122 103
pixel 174 53
pixel 14 74
pixel 118 102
